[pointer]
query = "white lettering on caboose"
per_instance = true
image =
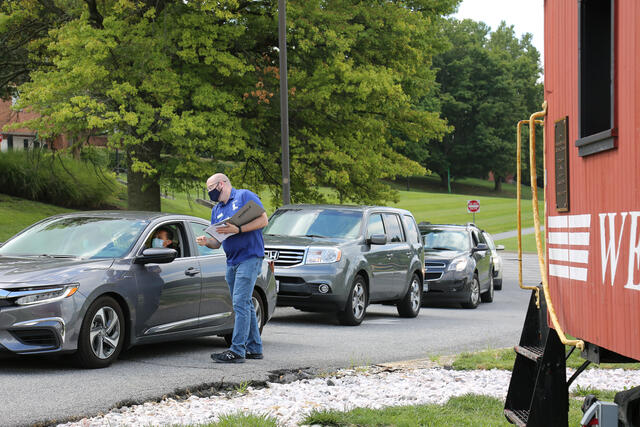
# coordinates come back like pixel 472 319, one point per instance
pixel 611 245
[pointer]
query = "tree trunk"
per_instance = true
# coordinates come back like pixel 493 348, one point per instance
pixel 443 179
pixel 143 191
pixel 497 183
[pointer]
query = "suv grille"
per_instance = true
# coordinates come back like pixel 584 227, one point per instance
pixel 37 337
pixel 284 257
pixel 435 265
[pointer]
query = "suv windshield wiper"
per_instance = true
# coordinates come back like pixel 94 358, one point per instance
pixel 314 235
pixel 437 248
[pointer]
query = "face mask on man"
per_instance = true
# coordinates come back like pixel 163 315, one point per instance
pixel 214 195
pixel 157 243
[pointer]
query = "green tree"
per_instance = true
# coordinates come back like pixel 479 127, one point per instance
pixel 488 81
pixel 358 73
pixel 172 83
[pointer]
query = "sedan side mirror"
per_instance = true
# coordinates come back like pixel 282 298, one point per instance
pixel 377 239
pixel 156 256
pixel 500 248
pixel 481 247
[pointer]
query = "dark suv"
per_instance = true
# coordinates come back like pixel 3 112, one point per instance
pixel 458 264
pixel 342 258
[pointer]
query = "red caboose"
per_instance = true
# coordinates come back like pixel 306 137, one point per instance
pixel 591 264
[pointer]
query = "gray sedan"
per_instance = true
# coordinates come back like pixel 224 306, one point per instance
pixel 94 283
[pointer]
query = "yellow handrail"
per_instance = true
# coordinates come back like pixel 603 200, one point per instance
pixel 519 198
pixel 536 222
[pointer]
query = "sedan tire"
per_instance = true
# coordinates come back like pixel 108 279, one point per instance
pixel 356 307
pixel 261 310
pixel 409 306
pixel 102 334
pixel 473 299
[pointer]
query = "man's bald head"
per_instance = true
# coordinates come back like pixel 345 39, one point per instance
pixel 217 178
pixel 220 181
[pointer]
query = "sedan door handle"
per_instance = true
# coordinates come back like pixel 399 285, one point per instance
pixel 192 271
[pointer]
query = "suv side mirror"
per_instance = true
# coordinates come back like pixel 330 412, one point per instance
pixel 377 239
pixel 156 256
pixel 481 247
pixel 500 248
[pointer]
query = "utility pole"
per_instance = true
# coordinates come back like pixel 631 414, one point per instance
pixel 284 101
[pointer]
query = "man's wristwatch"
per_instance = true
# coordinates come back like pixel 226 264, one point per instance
pixel 239 229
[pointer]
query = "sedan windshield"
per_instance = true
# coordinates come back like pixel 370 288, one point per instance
pixel 332 223
pixel 446 240
pixel 83 237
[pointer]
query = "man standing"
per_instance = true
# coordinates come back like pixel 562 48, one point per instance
pixel 245 253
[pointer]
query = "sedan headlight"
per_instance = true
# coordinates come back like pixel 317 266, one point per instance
pixel 458 264
pixel 323 255
pixel 30 296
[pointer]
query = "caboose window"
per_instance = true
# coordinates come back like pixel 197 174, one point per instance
pixel 596 76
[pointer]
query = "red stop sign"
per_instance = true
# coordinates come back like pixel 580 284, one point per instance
pixel 473 206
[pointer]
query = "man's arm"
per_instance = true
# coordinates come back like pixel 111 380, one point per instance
pixel 209 242
pixel 256 224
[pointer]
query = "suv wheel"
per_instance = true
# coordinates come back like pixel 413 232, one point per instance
pixel 488 295
pixel 102 334
pixel 409 306
pixel 473 298
pixel 356 307
pixel 258 306
pixel 497 284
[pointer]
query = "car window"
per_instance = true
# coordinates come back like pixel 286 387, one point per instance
pixel 317 222
pixel 489 241
pixel 80 236
pixel 198 230
pixel 375 225
pixel 169 236
pixel 394 232
pixel 412 229
pixel 474 237
pixel 446 239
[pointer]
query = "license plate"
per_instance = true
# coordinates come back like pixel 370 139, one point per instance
pixel 277 286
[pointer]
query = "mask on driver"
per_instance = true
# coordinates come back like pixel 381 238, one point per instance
pixel 157 243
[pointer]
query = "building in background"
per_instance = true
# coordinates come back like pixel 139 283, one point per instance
pixel 25 139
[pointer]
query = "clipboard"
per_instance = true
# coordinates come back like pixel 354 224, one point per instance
pixel 247 213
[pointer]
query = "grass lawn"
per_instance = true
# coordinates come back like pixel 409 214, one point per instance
pixel 468 410
pixel 528 243
pixel 475 186
pixel 496 214
pixel 504 358
pixel 16 214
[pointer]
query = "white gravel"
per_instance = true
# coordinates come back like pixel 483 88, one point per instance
pixel 373 387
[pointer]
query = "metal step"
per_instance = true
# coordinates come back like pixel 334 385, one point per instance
pixel 531 352
pixel 519 417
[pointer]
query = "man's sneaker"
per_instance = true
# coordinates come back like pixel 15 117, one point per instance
pixel 227 357
pixel 255 356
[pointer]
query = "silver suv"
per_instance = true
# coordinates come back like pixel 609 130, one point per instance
pixel 342 258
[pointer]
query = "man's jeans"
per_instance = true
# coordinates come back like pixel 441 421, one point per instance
pixel 241 279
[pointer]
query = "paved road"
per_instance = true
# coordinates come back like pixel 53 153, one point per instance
pixel 514 233
pixel 37 390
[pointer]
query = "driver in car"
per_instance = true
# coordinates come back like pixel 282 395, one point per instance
pixel 163 238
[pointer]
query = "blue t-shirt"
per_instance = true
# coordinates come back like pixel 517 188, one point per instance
pixel 239 247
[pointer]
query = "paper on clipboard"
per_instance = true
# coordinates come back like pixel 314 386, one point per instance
pixel 247 213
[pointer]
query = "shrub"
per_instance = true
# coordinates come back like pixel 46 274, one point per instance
pixel 56 179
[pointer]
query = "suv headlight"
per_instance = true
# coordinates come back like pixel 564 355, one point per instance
pixel 30 296
pixel 323 255
pixel 458 264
